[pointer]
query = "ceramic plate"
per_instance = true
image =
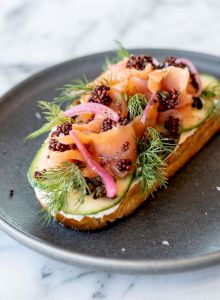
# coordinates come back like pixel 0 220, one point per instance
pixel 176 231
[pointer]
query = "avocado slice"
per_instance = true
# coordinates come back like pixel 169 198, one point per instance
pixel 90 205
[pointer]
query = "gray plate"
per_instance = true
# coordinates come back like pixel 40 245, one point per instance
pixel 186 214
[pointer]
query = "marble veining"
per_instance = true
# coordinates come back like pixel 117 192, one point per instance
pixel 35 34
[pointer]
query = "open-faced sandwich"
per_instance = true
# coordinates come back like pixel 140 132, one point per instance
pixel 121 137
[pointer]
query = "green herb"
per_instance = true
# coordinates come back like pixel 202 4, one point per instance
pixel 107 80
pixel 121 53
pixel 58 183
pixel 136 105
pixel 153 149
pixel 54 116
pixel 73 91
pixel 211 92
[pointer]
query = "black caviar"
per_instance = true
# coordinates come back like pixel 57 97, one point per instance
pixel 124 165
pixel 96 186
pixel 173 126
pixel 125 147
pixel 101 95
pixel 170 61
pixel 107 125
pixel 54 145
pixel 194 82
pixel 139 62
pixel 197 103
pixel 167 99
pixel 63 129
pixel 123 122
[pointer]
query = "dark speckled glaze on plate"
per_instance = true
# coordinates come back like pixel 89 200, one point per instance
pixel 186 214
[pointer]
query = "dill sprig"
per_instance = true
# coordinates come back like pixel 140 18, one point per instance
pixel 53 115
pixel 107 80
pixel 136 105
pixel 121 53
pixel 73 91
pixel 58 183
pixel 153 149
pixel 211 92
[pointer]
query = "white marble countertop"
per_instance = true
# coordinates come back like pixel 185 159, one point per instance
pixel 37 33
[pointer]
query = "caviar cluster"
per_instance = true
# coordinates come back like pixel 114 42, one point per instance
pixel 139 62
pixel 197 103
pixel 124 165
pixel 123 122
pixel 193 82
pixel 173 126
pixel 96 186
pixel 63 129
pixel 167 99
pixel 170 61
pixel 125 147
pixel 100 95
pixel 54 145
pixel 107 125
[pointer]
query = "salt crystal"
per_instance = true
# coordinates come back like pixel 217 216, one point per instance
pixel 218 188
pixel 123 249
pixel 38 115
pixel 166 243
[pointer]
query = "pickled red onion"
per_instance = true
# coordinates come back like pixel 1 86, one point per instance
pixel 95 108
pixel 146 110
pixel 193 71
pixel 107 179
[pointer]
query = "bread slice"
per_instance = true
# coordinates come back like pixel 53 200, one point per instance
pixel 135 196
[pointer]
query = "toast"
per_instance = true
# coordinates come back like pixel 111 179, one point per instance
pixel 84 140
pixel 135 196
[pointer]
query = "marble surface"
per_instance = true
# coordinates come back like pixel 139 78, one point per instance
pixel 35 34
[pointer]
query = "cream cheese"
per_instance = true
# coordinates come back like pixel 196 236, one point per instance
pixel 43 199
pixel 184 136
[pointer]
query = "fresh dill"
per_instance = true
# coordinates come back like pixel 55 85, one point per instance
pixel 54 116
pixel 58 183
pixel 211 92
pixel 121 53
pixel 73 91
pixel 136 105
pixel 107 80
pixel 153 149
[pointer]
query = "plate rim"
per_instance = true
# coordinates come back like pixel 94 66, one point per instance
pixel 153 266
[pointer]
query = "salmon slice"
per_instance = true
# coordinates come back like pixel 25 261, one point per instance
pixel 118 104
pixel 181 113
pixel 168 78
pixel 108 147
pixel 56 158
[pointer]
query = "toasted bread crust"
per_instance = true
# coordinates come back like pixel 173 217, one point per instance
pixel 134 196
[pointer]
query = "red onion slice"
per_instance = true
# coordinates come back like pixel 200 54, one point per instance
pixel 95 108
pixel 108 180
pixel 146 110
pixel 193 71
